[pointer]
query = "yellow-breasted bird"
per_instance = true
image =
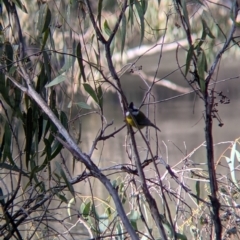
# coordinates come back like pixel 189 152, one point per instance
pixel 137 118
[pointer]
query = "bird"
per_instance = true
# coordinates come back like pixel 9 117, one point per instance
pixel 137 118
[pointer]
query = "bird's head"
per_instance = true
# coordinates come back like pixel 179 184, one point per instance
pixel 132 110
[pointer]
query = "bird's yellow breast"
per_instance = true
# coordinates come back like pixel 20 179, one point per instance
pixel 132 122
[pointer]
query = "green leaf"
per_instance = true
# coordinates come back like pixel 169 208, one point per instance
pixel 198 191
pixel 41 15
pixel 62 198
pixel 140 12
pixel 100 12
pixel 189 59
pixel 207 29
pixel 123 32
pixel 40 127
pixel 90 91
pixel 41 82
pixel 106 28
pixel 8 50
pixel 63 175
pixel 144 4
pixel 100 96
pixel 56 81
pixel 13 168
pixel 131 13
pixel 181 236
pixel 4 90
pixel 2 201
pixel 203 37
pixel 64 119
pixel 47 65
pixel 201 65
pixel 85 209
pixel 80 61
pixel 44 18
pixel 112 46
pixel 28 127
pixel 20 5
pixel 185 13
pixel 84 105
pixel 45 38
pixel 47 150
pixel 134 216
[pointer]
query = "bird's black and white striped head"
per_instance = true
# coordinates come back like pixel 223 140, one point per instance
pixel 132 110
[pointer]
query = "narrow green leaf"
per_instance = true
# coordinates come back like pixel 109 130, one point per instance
pixel 123 32
pixel 28 134
pixel 144 4
pixel 100 96
pixel 2 197
pixel 45 38
pixel 84 105
pixel 189 59
pixel 198 191
pixel 20 5
pixel 63 175
pixel 80 61
pixel 47 150
pixel 185 13
pixel 106 28
pixel 62 198
pixel 47 20
pixel 131 13
pixel 41 16
pixel 201 65
pixel 47 65
pixel 112 46
pixel 13 168
pixel 141 17
pixel 8 50
pixel 90 91
pixel 207 29
pixel 4 90
pixel 100 4
pixel 203 37
pixel 56 81
pixel 64 119
pixel 56 148
pixel 41 82
pixel 40 127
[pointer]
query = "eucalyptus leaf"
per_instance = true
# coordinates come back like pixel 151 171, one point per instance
pixel 56 81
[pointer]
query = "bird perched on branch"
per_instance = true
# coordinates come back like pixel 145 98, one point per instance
pixel 137 118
